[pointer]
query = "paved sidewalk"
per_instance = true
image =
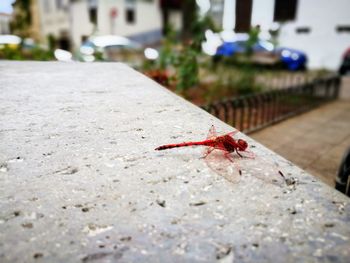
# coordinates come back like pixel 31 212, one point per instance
pixel 345 90
pixel 315 141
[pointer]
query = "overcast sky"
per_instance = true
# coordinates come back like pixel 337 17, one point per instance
pixel 5 6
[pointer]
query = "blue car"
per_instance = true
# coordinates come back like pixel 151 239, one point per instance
pixel 292 59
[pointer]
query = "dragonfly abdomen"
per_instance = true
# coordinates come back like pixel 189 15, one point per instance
pixel 184 144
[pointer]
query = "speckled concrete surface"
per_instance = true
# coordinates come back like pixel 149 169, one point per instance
pixel 80 181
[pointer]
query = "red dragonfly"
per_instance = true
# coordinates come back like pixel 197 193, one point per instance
pixel 227 145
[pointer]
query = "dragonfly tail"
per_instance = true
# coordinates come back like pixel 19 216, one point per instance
pixel 184 144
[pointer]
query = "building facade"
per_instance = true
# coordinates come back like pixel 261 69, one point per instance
pixel 35 26
pixel 42 21
pixel 54 20
pixel 4 23
pixel 139 20
pixel 319 28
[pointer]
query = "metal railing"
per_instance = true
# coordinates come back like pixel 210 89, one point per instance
pixel 253 112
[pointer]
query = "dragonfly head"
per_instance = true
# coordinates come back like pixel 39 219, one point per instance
pixel 242 145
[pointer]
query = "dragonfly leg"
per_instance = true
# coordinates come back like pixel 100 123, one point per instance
pixel 208 152
pixel 228 156
pixel 247 154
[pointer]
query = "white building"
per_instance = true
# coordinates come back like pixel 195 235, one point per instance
pixel 82 20
pixel 139 20
pixel 321 28
pixel 4 23
pixel 54 20
pixel 71 22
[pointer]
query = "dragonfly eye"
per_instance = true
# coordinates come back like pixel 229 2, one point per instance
pixel 242 144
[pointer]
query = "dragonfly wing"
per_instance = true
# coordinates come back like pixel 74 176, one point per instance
pixel 223 166
pixel 232 133
pixel 212 134
pixel 262 169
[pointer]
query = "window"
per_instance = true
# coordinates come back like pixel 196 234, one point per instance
pixel 59 4
pixel 2 28
pixel 64 43
pixel 92 5
pixel 47 6
pixel 84 38
pixel 343 29
pixel 285 10
pixel 63 40
pixel 93 15
pixel 130 3
pixel 303 30
pixel 130 16
pixel 243 15
pixel 170 4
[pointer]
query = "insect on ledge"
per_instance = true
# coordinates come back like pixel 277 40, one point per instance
pixel 224 150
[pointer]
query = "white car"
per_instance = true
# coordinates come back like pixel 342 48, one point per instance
pixel 115 48
pixel 9 40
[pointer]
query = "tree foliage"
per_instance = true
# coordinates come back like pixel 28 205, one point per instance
pixel 22 18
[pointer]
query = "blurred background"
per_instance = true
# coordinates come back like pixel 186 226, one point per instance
pixel 170 39
pixel 252 63
pixel 321 32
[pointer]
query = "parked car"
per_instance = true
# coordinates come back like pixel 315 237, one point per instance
pixel 264 52
pixel 10 41
pixel 115 48
pixel 110 48
pixel 15 48
pixel 345 66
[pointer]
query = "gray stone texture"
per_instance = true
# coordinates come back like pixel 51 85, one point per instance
pixel 80 180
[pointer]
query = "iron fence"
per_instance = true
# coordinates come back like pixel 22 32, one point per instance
pixel 252 112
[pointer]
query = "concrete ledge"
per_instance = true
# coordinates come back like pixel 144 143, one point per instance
pixel 80 181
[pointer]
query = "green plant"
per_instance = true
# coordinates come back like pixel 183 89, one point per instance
pixel 99 56
pixel 215 91
pixel 18 53
pixel 252 40
pixel 198 28
pixel 51 40
pixel 167 54
pixel 186 62
pixel 148 65
pixel 181 58
pixel 40 54
pixel 11 53
pixel 22 18
pixel 245 81
pixel 187 69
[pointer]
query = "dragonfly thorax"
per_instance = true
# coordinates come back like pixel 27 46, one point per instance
pixel 229 143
